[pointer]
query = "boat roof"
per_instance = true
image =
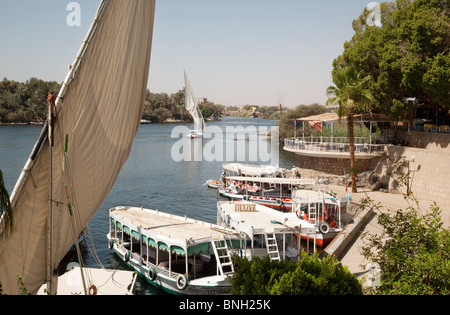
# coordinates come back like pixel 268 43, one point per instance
pixel 168 227
pixel 250 169
pixel 315 196
pixel 252 218
pixel 274 180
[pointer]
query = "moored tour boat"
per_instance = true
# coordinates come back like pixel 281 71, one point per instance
pixel 267 232
pixel 174 253
pixel 273 192
pixel 324 210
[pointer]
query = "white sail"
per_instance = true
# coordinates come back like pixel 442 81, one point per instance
pixel 192 106
pixel 99 111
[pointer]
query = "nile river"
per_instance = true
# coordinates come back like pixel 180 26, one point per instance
pixel 151 178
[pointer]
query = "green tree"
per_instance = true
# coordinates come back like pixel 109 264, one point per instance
pixel 352 95
pixel 407 57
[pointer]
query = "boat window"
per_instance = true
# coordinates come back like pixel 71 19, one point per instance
pixel 135 235
pixel 151 242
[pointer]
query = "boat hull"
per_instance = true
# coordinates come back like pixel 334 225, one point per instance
pixel 321 240
pixel 214 184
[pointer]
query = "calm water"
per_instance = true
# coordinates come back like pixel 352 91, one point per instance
pixel 151 178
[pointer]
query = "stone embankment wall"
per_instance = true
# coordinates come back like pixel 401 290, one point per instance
pixel 333 166
pixel 430 170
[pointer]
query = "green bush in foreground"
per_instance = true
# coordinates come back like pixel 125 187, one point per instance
pixel 308 276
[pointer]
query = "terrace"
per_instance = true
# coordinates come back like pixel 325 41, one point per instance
pixel 326 136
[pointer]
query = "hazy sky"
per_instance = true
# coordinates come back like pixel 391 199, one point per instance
pixel 235 52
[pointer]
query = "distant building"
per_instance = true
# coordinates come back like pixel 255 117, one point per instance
pixel 202 100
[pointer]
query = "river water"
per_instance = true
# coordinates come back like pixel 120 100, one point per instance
pixel 152 177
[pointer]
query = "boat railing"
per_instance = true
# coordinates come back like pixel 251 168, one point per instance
pixel 328 144
pixel 166 272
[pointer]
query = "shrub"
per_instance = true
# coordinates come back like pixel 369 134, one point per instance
pixel 308 276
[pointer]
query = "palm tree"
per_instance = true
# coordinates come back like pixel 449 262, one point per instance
pixel 351 94
pixel 6 217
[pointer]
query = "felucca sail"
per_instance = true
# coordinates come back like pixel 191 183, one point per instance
pixel 98 110
pixel 193 109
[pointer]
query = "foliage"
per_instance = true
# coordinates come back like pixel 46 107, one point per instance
pixel 413 253
pixel 413 248
pixel 160 107
pixel 24 102
pixel 20 285
pixel 6 213
pixel 407 57
pixel 309 276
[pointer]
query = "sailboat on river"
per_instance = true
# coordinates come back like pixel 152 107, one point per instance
pixel 194 110
pixel 83 146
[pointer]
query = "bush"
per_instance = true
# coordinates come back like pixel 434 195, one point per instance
pixel 413 253
pixel 309 276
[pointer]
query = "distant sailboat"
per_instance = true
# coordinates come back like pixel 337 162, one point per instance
pixel 194 110
pixel 79 155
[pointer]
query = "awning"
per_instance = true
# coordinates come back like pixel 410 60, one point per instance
pixel 331 117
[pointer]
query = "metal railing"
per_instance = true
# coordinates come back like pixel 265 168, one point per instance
pixel 337 145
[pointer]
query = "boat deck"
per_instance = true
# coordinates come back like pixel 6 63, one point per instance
pixel 168 225
pixel 247 216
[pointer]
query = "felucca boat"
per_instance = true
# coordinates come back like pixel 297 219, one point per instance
pixel 82 148
pixel 194 110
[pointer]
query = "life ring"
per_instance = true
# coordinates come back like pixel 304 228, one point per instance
pixel 92 290
pixel 152 274
pixel 245 198
pixel 182 282
pixel 279 202
pixel 111 244
pixel 324 228
pixel 127 256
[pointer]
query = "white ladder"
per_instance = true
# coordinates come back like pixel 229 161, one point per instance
pixel 272 247
pixel 312 213
pixel 223 257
